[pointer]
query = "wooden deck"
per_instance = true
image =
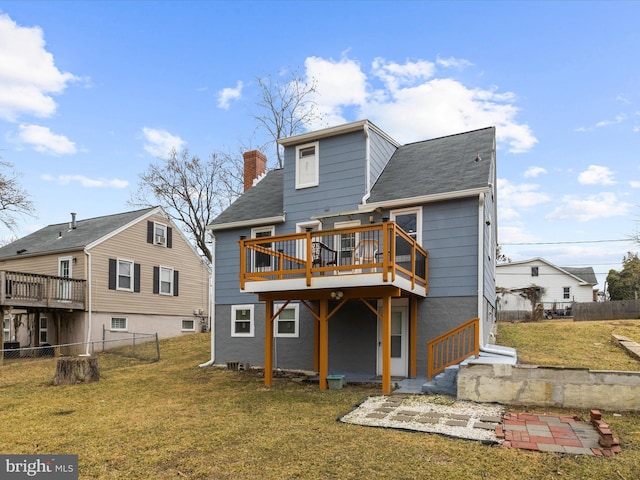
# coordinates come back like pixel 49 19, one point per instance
pixel 19 289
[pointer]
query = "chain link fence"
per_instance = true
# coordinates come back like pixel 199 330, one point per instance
pixel 114 350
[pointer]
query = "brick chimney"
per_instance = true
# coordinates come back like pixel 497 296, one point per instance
pixel 255 165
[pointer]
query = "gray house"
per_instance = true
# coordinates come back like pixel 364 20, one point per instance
pixel 357 254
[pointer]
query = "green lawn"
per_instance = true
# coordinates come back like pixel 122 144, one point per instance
pixel 171 419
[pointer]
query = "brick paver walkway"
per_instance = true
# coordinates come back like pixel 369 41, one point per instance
pixel 558 434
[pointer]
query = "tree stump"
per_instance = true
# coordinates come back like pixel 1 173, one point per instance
pixel 72 370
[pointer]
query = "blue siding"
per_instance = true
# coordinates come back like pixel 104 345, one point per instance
pixel 450 231
pixel 342 179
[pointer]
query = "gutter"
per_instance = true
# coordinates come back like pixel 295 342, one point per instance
pixel 212 296
pixel 89 304
pixel 367 163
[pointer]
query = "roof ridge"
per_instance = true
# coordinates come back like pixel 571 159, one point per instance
pixel 449 136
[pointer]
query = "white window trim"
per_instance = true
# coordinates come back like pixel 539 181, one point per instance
pixel 296 320
pixel 235 308
pixel 316 181
pixel 161 268
pixel 126 324
pixel 6 329
pixel 301 227
pixel 404 211
pixel 192 329
pixel 132 274
pixel 160 240
pixel 63 259
pixel 271 230
pixel 44 330
pixel 568 289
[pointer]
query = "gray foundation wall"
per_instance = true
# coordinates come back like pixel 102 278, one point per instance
pixel 550 386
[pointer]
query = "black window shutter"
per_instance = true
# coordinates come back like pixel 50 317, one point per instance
pixel 149 232
pixel 175 283
pixel 169 237
pixel 136 277
pixel 113 267
pixel 156 280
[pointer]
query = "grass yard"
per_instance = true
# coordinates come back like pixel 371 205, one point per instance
pixel 172 419
pixel 571 344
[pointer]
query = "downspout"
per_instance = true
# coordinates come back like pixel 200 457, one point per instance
pixel 212 297
pixel 367 164
pixel 481 267
pixel 483 347
pixel 89 303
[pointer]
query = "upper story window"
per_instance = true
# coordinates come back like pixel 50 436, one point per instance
pixel 566 293
pixel 410 220
pixel 534 271
pixel 166 281
pixel 307 165
pixel 159 234
pixel 125 275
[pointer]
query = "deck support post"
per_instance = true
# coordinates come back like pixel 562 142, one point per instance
pixel 316 345
pixel 324 342
pixel 268 344
pixel 386 345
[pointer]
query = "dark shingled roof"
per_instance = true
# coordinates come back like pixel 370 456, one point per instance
pixel 60 237
pixel 442 165
pixel 263 200
pixel 585 273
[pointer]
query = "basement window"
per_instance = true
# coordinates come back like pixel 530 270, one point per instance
pixel 242 320
pixel 286 324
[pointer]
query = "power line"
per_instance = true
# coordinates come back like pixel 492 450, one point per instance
pixel 566 243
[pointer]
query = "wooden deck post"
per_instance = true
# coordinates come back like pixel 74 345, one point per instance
pixel 268 344
pixel 386 345
pixel 324 343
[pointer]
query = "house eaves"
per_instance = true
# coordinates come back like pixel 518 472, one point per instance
pixel 438 197
pixel 332 131
pixel 247 223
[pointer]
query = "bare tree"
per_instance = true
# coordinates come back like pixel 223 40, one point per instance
pixel 14 200
pixel 286 106
pixel 192 191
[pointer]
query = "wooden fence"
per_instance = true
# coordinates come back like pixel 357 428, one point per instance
pixel 616 310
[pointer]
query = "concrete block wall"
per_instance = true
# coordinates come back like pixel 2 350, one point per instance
pixel 550 386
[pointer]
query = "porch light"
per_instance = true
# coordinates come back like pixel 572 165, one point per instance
pixel 338 294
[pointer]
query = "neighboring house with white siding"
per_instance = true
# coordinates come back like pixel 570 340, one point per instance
pixel 561 286
pixel 128 272
pixel 322 265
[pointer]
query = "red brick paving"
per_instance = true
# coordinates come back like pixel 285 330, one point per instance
pixel 562 434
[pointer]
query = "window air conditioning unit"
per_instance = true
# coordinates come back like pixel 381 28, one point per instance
pixel 159 240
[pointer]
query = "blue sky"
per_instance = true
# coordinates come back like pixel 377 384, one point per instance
pixel 92 92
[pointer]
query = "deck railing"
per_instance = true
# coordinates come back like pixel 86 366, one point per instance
pixel 453 347
pixel 382 248
pixel 30 289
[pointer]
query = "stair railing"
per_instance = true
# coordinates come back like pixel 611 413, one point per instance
pixel 453 347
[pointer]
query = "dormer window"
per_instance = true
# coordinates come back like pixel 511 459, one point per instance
pixel 160 234
pixel 307 165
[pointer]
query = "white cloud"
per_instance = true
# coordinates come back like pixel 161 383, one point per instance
pixel 159 143
pixel 524 195
pixel 596 175
pixel 85 181
pixel 602 205
pixel 452 62
pixel 534 171
pixel 515 234
pixel 634 184
pixel 410 103
pixel 226 95
pixel 43 140
pixel 28 75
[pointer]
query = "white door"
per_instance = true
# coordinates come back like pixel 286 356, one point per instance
pixel 64 286
pixel 399 342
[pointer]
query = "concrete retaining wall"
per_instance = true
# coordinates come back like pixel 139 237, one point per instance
pixel 550 386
